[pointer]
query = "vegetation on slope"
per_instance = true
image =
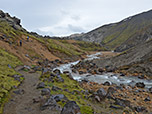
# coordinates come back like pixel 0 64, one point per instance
pixel 7 64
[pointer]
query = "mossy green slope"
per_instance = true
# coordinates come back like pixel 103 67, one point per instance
pixel 6 81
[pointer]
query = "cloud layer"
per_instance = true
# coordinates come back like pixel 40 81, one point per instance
pixel 65 17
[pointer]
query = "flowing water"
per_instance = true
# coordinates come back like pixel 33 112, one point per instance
pixel 110 77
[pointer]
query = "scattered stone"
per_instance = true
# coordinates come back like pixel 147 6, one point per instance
pixel 122 102
pixel 101 70
pixel 71 108
pixel 59 97
pixel 59 78
pixel 41 85
pixel 57 71
pixel 49 104
pixel 97 98
pixel 45 91
pixel 55 88
pixel 107 83
pixel 140 84
pixel 19 91
pixel 122 74
pixel 110 92
pixel 37 100
pixel 150 90
pixel 9 66
pixel 115 107
pixel 141 77
pixel 147 99
pixel 81 72
pixel 101 93
pixel 140 109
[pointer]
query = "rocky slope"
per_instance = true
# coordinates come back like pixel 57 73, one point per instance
pixel 32 52
pixel 134 60
pixel 123 35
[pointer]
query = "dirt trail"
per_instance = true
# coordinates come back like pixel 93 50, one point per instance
pixel 23 103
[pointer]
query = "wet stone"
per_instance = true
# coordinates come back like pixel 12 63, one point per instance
pixel 140 84
pixel 107 83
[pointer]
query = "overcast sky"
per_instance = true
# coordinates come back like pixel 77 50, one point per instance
pixel 65 17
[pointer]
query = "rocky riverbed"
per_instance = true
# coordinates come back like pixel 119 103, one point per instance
pixel 79 87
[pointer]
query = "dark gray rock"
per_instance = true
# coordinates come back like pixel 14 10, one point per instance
pixel 19 91
pixel 57 71
pixel 101 93
pixel 59 78
pixel 46 91
pixel 81 72
pixel 122 102
pixel 115 107
pixel 41 85
pixel 107 83
pixel 140 84
pixel 59 97
pixel 147 99
pixel 140 109
pixel 49 104
pixel 71 108
pixel 150 90
pixel 55 88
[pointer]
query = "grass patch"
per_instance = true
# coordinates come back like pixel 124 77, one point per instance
pixel 71 85
pixel 7 82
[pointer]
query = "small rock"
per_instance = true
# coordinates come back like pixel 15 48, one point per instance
pixel 57 71
pixel 147 99
pixel 71 108
pixel 49 104
pixel 97 98
pixel 19 91
pixel 140 84
pixel 81 72
pixel 45 91
pixel 150 90
pixel 59 97
pixel 115 107
pixel 140 109
pixel 40 85
pixel 9 66
pixel 101 93
pixel 106 83
pixel 55 88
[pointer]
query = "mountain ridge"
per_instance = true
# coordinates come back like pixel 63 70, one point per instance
pixel 115 36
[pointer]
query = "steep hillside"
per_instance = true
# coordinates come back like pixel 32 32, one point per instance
pixel 38 47
pixel 124 34
pixel 34 50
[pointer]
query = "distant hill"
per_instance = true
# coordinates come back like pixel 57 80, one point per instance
pixel 134 60
pixel 123 35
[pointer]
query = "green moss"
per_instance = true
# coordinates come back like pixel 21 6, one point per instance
pixel 71 85
pixel 6 81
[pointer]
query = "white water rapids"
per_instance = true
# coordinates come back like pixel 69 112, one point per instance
pixel 110 77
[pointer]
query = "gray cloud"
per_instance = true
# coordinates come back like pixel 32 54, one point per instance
pixel 64 17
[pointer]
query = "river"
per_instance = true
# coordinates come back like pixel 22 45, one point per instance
pixel 110 77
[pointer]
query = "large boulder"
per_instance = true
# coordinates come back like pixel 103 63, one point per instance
pixel 71 108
